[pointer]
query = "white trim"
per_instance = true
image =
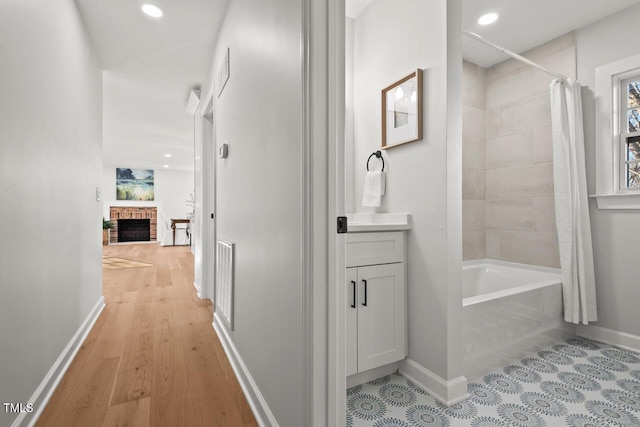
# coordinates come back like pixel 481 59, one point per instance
pixel 609 336
pixel 308 332
pixel 372 374
pixel 208 224
pixel 617 201
pixel 608 157
pixel 195 285
pixel 258 404
pixel 336 383
pixel 45 390
pixel 446 392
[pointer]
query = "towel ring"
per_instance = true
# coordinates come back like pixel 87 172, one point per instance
pixel 378 154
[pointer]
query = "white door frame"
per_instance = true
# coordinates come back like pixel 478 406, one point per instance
pixel 337 265
pixel 324 77
pixel 323 69
pixel 209 219
pixel 205 233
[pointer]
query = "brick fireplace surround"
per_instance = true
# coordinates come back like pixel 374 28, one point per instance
pixel 132 212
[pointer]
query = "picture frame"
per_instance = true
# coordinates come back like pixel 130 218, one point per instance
pixel 223 74
pixel 135 184
pixel 402 111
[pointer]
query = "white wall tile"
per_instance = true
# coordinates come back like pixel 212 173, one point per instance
pixel 503 68
pixel 473 123
pixel 473 184
pixel 530 113
pixel 527 181
pixel 473 245
pixel 473 152
pixel 512 150
pixel 529 247
pixel 539 54
pixel 510 87
pixel 473 85
pixel 492 245
pixel 492 184
pixel 520 212
pixel 481 184
pixel 534 180
pixel 562 62
pixel 544 214
pixel 542 145
pixel 510 214
pixel 473 215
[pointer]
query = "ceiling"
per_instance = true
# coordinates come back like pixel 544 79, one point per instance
pixel 523 24
pixel 150 66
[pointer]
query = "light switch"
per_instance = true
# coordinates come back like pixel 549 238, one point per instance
pixel 98 194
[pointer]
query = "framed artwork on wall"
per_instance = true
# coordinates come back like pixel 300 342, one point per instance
pixel 402 111
pixel 134 184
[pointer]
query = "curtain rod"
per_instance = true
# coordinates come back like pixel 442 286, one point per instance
pixel 513 54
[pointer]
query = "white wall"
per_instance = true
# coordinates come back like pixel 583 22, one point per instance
pixel 50 166
pixel 171 192
pixel 260 193
pixel 390 43
pixel 615 233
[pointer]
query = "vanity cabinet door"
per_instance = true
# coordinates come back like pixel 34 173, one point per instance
pixel 381 314
pixel 351 320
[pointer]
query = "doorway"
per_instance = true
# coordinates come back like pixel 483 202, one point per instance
pixel 205 202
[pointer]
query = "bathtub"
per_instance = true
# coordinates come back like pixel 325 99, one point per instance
pixel 509 311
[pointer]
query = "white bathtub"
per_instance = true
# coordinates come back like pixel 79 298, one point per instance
pixel 510 310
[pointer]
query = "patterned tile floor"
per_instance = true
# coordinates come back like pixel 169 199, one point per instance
pixel 576 383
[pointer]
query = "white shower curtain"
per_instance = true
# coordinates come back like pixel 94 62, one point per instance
pixel 572 208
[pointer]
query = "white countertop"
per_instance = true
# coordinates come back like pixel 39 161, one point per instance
pixel 360 222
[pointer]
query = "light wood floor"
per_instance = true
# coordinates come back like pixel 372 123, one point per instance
pixel 152 359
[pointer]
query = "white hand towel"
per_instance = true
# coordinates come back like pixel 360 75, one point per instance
pixel 374 188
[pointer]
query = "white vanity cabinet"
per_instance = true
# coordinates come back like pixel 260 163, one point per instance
pixel 375 295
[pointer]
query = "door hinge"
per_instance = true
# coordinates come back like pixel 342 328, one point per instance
pixel 342 224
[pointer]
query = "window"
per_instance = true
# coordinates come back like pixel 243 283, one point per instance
pixel 618 134
pixel 630 134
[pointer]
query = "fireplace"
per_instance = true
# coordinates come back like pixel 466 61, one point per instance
pixel 133 230
pixel 128 216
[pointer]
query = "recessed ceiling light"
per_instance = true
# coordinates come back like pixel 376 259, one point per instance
pixel 152 10
pixel 167 155
pixel 487 19
pixel 166 166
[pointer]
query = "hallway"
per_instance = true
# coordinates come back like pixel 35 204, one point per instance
pixel 152 358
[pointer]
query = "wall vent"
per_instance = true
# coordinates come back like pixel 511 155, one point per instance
pixel 224 281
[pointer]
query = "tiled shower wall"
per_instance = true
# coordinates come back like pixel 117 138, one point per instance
pixel 519 214
pixel 473 161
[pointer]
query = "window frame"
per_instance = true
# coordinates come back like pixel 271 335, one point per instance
pixel 621 129
pixel 610 122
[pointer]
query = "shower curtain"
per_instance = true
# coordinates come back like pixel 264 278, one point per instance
pixel 572 208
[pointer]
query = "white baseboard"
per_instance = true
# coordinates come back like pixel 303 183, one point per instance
pixel 447 392
pixel 45 390
pixel 609 336
pixel 373 374
pixel 258 404
pixel 195 285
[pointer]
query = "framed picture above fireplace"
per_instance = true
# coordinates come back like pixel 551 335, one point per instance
pixel 134 184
